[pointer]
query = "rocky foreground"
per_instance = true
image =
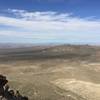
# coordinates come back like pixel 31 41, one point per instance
pixel 8 94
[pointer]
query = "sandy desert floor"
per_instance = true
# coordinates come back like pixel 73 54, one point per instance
pixel 54 78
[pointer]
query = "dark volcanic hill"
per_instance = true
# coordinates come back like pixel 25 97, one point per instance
pixel 70 52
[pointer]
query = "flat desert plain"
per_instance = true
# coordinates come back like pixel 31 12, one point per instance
pixel 62 72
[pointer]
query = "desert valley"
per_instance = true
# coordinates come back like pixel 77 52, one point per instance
pixel 57 72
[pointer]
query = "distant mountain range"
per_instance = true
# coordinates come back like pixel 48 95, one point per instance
pixel 14 45
pixel 23 45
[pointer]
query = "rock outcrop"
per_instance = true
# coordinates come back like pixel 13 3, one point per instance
pixel 8 94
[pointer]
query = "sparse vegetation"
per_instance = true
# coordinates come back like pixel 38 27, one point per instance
pixel 32 71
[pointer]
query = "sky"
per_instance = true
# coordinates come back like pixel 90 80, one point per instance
pixel 50 21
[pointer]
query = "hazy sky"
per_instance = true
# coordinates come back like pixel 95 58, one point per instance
pixel 50 21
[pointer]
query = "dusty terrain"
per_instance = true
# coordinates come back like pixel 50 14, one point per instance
pixel 65 72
